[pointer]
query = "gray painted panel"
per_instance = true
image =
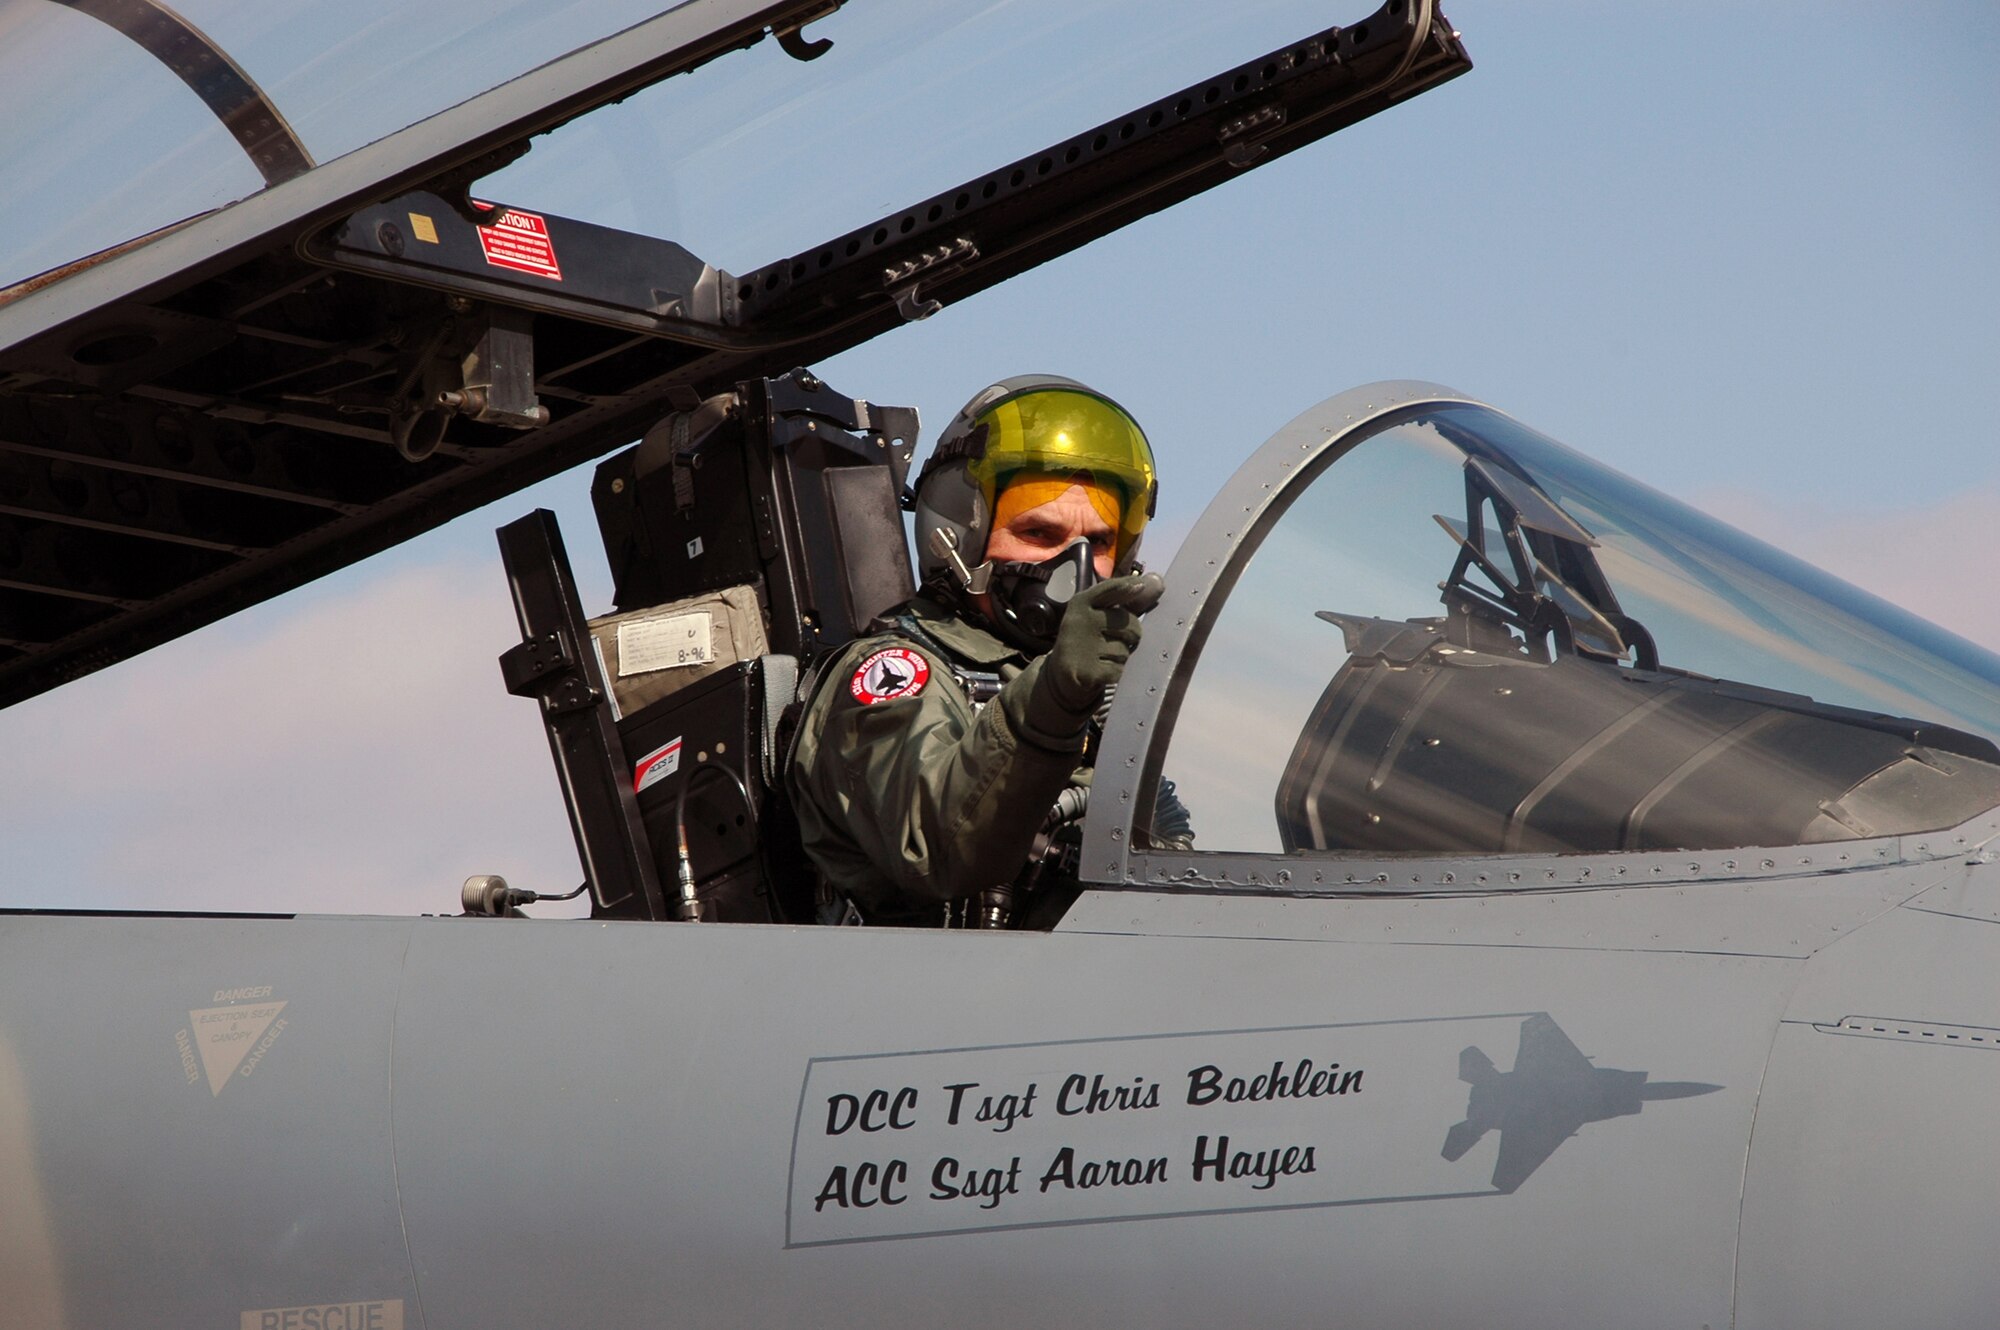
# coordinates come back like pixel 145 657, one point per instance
pixel 1912 963
pixel 1873 1192
pixel 1862 1206
pixel 1971 893
pixel 204 1108
pixel 607 1124
pixel 1792 916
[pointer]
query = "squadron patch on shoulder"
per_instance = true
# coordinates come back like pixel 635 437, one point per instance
pixel 889 674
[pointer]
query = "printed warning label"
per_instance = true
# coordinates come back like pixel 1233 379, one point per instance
pixel 646 645
pixel 520 241
pixel 230 1039
pixel 656 766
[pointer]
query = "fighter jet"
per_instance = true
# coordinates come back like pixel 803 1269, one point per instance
pixel 1477 737
pixel 1551 1094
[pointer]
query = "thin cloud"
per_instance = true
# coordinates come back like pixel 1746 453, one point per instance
pixel 356 754
pixel 1935 560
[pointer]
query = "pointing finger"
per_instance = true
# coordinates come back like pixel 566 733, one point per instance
pixel 1137 593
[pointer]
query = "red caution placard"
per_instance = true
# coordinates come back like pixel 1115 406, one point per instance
pixel 656 766
pixel 520 241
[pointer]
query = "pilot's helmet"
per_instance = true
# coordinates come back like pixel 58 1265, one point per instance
pixel 1033 424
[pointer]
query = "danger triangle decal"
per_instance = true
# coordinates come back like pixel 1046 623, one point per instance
pixel 224 1036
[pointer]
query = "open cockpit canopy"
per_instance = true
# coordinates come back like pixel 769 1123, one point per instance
pixel 255 325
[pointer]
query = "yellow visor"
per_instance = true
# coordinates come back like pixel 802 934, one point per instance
pixel 1030 490
pixel 1058 434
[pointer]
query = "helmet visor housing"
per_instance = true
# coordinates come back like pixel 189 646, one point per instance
pixel 1061 432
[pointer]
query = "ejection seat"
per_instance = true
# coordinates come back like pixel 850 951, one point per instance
pixel 749 535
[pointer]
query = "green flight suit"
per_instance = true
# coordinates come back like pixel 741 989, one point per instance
pixel 908 801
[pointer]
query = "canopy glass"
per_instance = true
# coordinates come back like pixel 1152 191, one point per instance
pixel 745 161
pixel 1461 636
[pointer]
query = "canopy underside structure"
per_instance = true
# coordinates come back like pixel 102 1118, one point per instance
pixel 235 404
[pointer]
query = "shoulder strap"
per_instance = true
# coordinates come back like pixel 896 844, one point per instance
pixel 803 693
pixel 781 690
pixel 981 686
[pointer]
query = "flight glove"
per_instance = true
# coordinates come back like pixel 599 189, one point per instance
pixel 1099 632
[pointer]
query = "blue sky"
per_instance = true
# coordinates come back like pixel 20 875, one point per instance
pixel 1744 253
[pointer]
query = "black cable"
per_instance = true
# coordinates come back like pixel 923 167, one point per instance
pixel 688 907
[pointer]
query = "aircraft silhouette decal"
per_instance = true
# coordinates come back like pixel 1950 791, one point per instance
pixel 888 674
pixel 1551 1093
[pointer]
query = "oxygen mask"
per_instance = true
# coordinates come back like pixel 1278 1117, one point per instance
pixel 1028 599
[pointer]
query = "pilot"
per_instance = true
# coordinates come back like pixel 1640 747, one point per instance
pixel 942 765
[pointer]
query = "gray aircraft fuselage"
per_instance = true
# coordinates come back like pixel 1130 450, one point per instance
pixel 1175 1110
